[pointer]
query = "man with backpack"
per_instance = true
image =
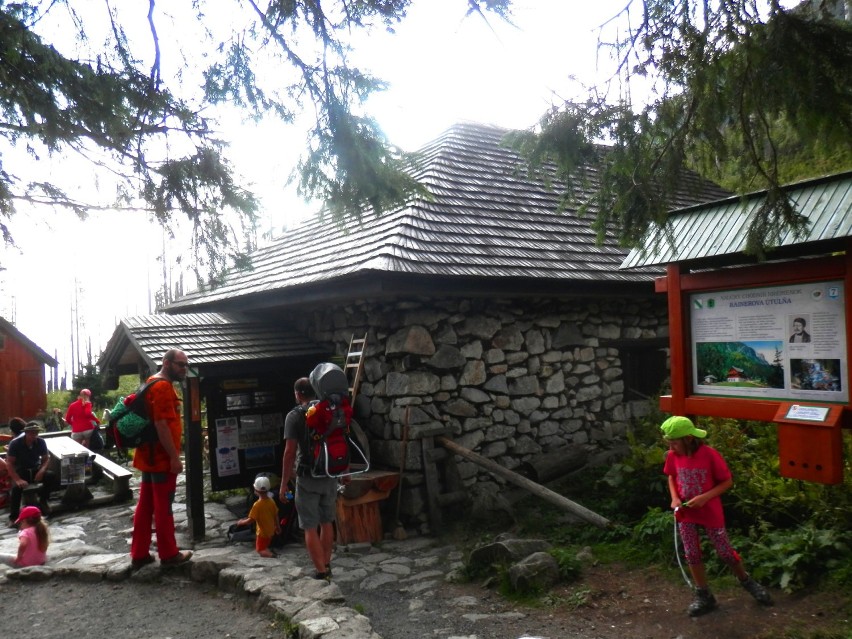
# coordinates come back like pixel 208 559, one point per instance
pixel 316 497
pixel 160 464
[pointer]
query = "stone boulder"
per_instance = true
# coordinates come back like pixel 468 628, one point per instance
pixel 536 573
pixel 506 551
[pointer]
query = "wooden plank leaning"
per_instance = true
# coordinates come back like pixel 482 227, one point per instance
pixel 536 489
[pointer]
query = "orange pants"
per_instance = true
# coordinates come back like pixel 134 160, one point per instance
pixel 261 543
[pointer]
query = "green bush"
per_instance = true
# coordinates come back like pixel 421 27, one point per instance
pixel 795 558
pixel 570 567
pixel 653 536
pixel 788 531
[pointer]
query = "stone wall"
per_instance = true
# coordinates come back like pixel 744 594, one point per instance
pixel 508 379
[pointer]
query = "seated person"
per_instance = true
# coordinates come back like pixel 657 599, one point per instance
pixel 5 483
pixel 16 426
pixel 33 540
pixel 27 461
pixel 54 422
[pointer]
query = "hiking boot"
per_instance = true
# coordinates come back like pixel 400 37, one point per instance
pixel 136 564
pixel 757 591
pixel 703 602
pixel 178 560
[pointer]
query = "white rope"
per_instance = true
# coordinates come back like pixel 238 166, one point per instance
pixel 677 551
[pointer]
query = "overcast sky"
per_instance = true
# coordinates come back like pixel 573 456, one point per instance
pixel 442 68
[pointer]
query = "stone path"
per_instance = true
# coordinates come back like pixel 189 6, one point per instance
pixel 92 545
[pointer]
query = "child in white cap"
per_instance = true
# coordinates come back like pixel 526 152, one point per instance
pixel 264 515
pixel 698 475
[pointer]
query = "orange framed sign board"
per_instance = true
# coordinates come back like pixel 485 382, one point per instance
pixel 767 343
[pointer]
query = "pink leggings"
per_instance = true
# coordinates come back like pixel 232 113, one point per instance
pixel 717 536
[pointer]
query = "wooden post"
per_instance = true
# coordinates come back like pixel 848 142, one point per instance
pixel 678 360
pixel 536 489
pixel 847 294
pixel 433 486
pixel 193 454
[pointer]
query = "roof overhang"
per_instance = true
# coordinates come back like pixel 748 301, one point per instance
pixel 210 340
pixel 377 285
pixel 9 328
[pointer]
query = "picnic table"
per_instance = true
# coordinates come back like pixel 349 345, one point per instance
pixel 60 445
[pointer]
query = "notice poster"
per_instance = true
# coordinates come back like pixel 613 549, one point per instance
pixel 257 431
pixel 72 469
pixel 260 457
pixel 785 342
pixel 227 458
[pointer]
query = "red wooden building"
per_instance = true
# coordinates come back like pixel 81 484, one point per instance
pixel 22 382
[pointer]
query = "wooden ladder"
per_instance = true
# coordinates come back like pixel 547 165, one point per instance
pixel 354 364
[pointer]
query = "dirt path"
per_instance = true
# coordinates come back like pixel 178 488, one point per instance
pixel 175 608
pixel 609 603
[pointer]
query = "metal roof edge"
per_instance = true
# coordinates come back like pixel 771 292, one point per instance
pixel 801 184
pixel 741 208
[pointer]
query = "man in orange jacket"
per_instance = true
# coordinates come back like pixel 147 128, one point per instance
pixel 160 464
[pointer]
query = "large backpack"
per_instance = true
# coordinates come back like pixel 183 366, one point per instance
pixel 129 425
pixel 334 452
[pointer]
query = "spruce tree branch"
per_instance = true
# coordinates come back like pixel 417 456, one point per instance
pixel 304 68
pixel 155 67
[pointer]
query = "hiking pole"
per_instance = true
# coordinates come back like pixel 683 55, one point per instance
pixel 677 551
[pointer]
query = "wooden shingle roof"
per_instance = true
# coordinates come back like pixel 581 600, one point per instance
pixel 207 338
pixel 487 219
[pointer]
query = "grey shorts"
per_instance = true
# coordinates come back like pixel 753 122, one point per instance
pixel 316 501
pixel 82 435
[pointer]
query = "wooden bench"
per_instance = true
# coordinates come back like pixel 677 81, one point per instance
pixel 29 495
pixel 119 475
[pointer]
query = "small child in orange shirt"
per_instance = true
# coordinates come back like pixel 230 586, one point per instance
pixel 264 515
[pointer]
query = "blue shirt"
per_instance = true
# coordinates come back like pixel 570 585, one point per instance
pixel 26 457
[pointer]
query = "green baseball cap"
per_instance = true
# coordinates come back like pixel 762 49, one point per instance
pixel 676 427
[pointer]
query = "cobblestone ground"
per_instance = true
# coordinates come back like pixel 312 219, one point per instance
pixel 393 590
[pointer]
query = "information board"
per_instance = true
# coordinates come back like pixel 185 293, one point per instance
pixel 783 342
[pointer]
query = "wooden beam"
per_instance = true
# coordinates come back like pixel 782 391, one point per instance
pixel 536 489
